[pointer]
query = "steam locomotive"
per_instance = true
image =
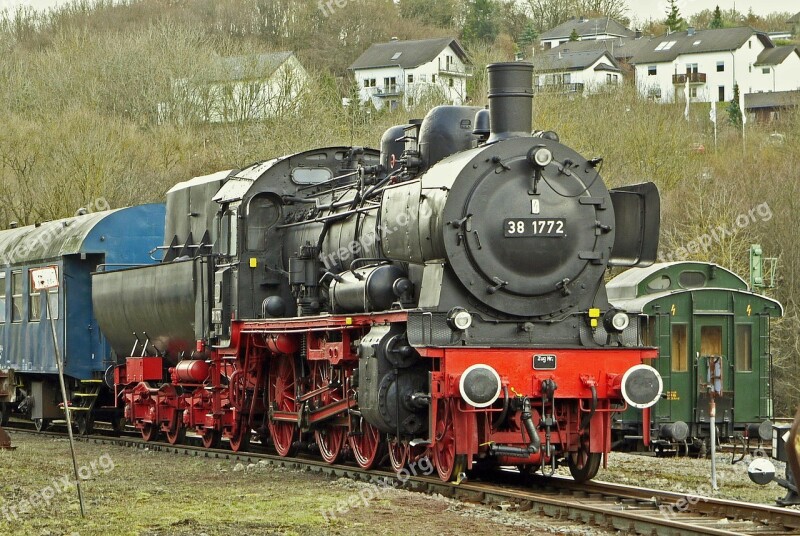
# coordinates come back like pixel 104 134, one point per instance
pixel 441 297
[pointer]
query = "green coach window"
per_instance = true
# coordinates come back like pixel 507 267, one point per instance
pixel 744 348
pixel 680 348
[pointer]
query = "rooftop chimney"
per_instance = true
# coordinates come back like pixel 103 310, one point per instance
pixel 510 99
pixel 638 34
pixel 690 31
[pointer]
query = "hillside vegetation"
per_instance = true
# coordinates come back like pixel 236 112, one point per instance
pixel 80 88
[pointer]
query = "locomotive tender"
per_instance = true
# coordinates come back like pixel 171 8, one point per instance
pixel 443 296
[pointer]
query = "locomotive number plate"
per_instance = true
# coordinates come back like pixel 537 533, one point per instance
pixel 526 227
pixel 544 362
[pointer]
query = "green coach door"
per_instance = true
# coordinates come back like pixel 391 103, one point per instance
pixel 680 386
pixel 711 336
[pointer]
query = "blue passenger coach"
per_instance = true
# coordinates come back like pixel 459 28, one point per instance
pixel 76 246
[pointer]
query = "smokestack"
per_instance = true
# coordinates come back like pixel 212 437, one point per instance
pixel 510 100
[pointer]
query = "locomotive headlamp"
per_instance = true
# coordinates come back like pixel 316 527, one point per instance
pixel 459 318
pixel 540 156
pixel 480 385
pixel 615 320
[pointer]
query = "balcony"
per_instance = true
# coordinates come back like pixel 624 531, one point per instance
pixel 389 91
pixel 694 78
pixel 452 71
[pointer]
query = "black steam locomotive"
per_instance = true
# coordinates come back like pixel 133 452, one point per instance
pixel 443 296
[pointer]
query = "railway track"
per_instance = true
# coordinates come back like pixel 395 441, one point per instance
pixel 603 505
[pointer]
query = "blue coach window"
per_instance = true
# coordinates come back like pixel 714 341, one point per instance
pixel 35 303
pixel 2 298
pixel 16 296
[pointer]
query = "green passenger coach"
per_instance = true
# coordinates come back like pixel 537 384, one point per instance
pixel 713 336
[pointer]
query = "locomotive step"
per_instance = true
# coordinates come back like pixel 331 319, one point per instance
pixel 91 381
pixel 85 395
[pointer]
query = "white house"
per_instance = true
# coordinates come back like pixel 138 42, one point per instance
pixel 564 70
pixel 240 88
pixel 713 61
pixel 406 72
pixel 586 29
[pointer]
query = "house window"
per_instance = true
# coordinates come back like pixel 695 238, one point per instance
pixel 651 70
pixel 720 66
pixel 608 78
pixel 680 348
pixel 411 79
pixel 567 78
pixel 16 296
pixel 2 298
pixel 749 68
pixel 693 92
pixel 744 348
pixel 390 83
pixel 369 82
pixel 765 70
pixel 433 78
pixel 450 81
pixel 749 44
pixel 691 68
pixel 548 45
pixel 721 96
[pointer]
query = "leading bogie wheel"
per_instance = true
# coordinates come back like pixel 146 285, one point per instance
pixel 583 465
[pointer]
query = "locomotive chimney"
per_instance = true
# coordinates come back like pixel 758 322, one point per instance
pixel 510 100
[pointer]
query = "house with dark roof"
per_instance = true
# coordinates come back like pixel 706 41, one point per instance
pixel 586 30
pixel 564 70
pixel 404 72
pixel 239 88
pixel 710 62
pixel 769 106
pixel 794 24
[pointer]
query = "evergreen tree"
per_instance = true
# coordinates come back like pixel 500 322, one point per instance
pixel 480 22
pixel 527 40
pixel 674 20
pixel 574 35
pixel 734 111
pixel 529 36
pixel 716 22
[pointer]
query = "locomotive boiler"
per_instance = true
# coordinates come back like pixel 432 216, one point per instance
pixel 441 297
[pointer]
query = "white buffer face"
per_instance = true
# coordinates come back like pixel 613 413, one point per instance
pixel 642 386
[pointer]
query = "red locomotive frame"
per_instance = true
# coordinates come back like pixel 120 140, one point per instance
pixel 259 379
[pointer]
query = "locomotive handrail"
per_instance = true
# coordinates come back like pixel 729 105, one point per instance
pixel 102 267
